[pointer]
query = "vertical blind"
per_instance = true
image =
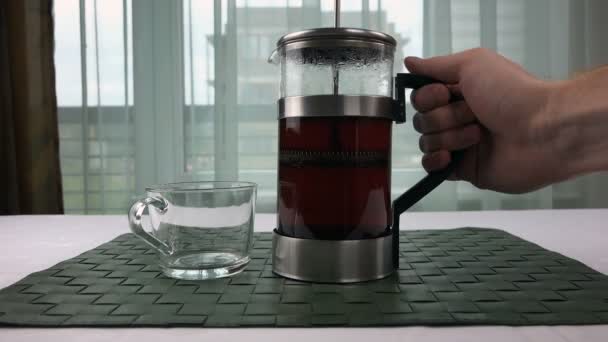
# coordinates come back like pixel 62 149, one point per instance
pixel 154 91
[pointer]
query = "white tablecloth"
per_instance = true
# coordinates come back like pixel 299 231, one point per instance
pixel 33 243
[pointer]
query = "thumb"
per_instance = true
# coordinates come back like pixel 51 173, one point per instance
pixel 443 68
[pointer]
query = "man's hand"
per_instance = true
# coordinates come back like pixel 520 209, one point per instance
pixel 503 125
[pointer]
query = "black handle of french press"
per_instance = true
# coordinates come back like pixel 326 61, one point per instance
pixel 432 179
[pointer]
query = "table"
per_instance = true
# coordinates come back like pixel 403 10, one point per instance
pixel 33 243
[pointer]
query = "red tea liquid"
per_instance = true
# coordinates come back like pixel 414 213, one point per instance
pixel 334 177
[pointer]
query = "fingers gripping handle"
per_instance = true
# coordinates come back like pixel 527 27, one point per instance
pixel 411 81
pixel 408 81
pixel 136 212
pixel 432 179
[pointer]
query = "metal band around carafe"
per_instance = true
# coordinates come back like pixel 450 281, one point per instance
pixel 337 105
pixel 332 261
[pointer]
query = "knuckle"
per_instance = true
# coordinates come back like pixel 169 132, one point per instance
pixel 427 123
pixel 440 92
pixel 431 96
pixel 428 143
pixel 465 137
pixel 479 51
pixel 458 112
pixel 435 142
pixel 435 89
pixel 475 132
pixel 454 139
pixel 437 119
pixel 451 139
pixel 432 161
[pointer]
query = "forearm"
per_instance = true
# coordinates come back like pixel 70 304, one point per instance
pixel 578 109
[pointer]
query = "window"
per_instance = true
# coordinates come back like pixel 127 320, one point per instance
pixel 220 121
pixel 154 91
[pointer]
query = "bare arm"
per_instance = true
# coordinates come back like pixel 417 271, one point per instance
pixel 579 128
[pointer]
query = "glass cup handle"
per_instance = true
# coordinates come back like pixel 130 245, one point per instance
pixel 135 213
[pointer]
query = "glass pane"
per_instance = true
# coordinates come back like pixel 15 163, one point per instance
pixel 96 141
pixel 199 87
pixel 465 24
pixel 67 53
pixel 510 28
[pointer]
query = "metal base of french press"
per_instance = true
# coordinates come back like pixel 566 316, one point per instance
pixel 332 261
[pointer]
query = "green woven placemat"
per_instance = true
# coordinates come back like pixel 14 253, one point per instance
pixel 462 276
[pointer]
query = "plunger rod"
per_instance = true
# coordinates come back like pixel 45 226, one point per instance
pixel 337 13
pixel 336 72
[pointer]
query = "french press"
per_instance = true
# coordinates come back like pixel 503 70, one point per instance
pixel 335 220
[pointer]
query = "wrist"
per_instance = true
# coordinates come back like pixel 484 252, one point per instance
pixel 577 136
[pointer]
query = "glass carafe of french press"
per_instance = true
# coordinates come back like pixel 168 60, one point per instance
pixel 335 220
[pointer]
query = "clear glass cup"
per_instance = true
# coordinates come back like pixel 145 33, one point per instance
pixel 201 230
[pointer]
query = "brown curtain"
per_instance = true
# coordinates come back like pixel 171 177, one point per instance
pixel 30 177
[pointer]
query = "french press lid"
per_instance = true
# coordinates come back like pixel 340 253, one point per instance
pixel 336 37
